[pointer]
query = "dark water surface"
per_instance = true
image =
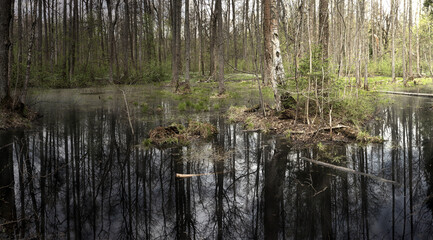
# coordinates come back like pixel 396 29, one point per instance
pixel 80 175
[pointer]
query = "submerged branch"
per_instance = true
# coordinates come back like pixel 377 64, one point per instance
pixel 127 111
pixel 348 170
pixel 408 94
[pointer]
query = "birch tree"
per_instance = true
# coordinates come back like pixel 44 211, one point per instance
pixel 274 71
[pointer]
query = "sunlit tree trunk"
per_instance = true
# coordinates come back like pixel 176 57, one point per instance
pixel 273 70
pixel 410 40
pixel 393 22
pixel 418 65
pixel 404 44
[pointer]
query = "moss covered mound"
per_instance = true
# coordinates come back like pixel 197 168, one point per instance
pixel 17 117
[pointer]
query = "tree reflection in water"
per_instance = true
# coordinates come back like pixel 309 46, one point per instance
pixel 82 176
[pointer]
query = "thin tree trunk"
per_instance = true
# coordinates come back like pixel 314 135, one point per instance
pixel 246 25
pixel 418 65
pixel 11 46
pixel 47 37
pixel 404 44
pixel 220 48
pixel 65 41
pixel 175 22
pixel 125 41
pixel 234 34
pixel 5 19
pixel 187 45
pixel 20 48
pixel 39 46
pixel 29 59
pixel 410 41
pixel 393 21
pixel 212 43
pixel 160 40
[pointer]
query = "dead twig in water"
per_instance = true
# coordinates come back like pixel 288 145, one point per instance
pixel 348 170
pixel 183 175
pixel 127 110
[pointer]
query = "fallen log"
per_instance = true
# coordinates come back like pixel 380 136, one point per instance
pixel 348 170
pixel 334 127
pixel 339 126
pixel 408 94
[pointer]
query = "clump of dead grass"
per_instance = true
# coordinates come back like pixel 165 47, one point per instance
pixel 298 132
pixel 178 134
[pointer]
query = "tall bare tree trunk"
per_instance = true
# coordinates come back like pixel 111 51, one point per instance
pixel 20 45
pixel 418 65
pixel 234 34
pixel 393 22
pixel 324 27
pixel 176 7
pixel 246 26
pixel 404 44
pixel 200 35
pixel 187 45
pixel 111 24
pixel 39 45
pixel 410 40
pixel 220 48
pixel 5 19
pixel 29 57
pixel 366 51
pixel 160 40
pixel 125 41
pixel 212 44
pixel 65 41
pixel 360 39
pixel 74 42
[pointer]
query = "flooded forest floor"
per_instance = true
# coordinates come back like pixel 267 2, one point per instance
pixel 97 166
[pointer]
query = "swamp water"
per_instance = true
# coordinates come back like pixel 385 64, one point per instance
pixel 79 174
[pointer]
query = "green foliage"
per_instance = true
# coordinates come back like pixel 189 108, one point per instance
pixel 144 107
pixel 217 106
pixel 147 142
pixel 154 72
pixel 181 106
pixel 356 110
pixel 288 134
pixel 202 129
pixel 319 66
pixel 249 123
pixel 321 147
pixel 365 137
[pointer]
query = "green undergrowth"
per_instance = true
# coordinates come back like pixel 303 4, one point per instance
pixel 384 83
pixel 365 137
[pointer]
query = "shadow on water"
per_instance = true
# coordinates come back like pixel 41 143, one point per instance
pixel 80 175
